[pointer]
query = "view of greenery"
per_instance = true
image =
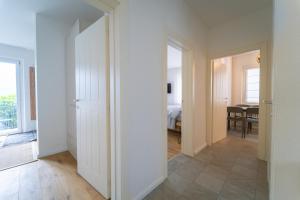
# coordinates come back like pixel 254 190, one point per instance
pixel 8 112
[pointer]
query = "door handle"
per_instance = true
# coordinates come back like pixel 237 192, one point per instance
pixel 75 100
pixel 269 102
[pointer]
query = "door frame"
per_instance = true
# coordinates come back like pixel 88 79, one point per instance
pixel 188 78
pixel 19 85
pixel 264 99
pixel 117 155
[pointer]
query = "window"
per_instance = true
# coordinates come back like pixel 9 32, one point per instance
pixel 252 85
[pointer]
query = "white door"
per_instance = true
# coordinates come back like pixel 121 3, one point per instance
pixel 221 91
pixel 92 102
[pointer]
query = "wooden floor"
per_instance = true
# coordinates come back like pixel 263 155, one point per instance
pixel 174 147
pixel 17 154
pixel 51 178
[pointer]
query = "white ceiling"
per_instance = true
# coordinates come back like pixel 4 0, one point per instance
pixel 17 17
pixel 216 12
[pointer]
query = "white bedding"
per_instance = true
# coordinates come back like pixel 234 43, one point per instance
pixel 174 113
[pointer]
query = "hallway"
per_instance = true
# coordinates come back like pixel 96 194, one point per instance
pixel 229 170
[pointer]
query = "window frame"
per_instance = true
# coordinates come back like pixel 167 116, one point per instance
pixel 245 77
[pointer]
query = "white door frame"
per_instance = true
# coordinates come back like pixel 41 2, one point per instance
pixel 188 72
pixel 111 8
pixel 19 98
pixel 265 96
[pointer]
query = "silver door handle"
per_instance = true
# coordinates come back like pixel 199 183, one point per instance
pixel 269 102
pixel 75 100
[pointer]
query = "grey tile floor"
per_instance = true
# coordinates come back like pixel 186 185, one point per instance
pixel 228 170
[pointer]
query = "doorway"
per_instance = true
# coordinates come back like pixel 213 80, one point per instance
pixel 236 86
pixel 244 87
pixel 178 99
pixel 17 131
pixel 174 87
pixel 10 107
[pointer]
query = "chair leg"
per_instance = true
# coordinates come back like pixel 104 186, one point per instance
pixel 228 124
pixel 244 129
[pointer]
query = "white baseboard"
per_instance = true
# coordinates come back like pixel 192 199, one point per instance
pixel 149 189
pixel 200 148
pixel 52 151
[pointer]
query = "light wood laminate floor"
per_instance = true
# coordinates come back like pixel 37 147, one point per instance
pixel 51 178
pixel 174 148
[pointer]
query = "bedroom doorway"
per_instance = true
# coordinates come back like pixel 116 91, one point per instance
pixel 174 78
pixel 177 95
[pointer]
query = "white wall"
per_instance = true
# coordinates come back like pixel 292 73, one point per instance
pixel 141 83
pixel 26 57
pixel 17 26
pixel 51 85
pixel 71 88
pixel 175 78
pixel 239 64
pixel 285 156
pixel 245 32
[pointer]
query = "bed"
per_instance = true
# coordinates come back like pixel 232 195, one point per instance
pixel 174 117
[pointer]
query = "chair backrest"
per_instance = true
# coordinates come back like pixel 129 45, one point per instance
pixel 252 111
pixel 235 109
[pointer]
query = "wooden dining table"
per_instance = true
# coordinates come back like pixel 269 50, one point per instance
pixel 246 107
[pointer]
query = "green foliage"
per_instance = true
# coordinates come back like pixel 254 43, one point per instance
pixel 8 111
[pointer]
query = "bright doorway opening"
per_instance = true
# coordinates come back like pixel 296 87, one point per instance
pixel 236 94
pixel 174 87
pixel 17 132
pixel 10 121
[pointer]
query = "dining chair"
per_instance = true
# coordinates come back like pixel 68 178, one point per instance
pixel 252 117
pixel 236 114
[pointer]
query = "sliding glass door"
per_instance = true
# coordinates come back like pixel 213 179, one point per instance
pixel 10 121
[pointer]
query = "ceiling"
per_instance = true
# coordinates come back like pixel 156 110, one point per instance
pixel 216 12
pixel 17 17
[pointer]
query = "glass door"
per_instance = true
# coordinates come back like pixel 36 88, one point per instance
pixel 9 97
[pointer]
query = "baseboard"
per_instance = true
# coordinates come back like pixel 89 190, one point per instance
pixel 149 189
pixel 200 148
pixel 54 150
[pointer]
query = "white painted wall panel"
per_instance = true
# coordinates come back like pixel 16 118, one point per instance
pixel 51 85
pixel 285 156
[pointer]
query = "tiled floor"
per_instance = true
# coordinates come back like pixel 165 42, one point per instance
pixel 228 170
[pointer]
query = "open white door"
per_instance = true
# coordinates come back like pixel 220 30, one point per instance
pixel 221 91
pixel 92 103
